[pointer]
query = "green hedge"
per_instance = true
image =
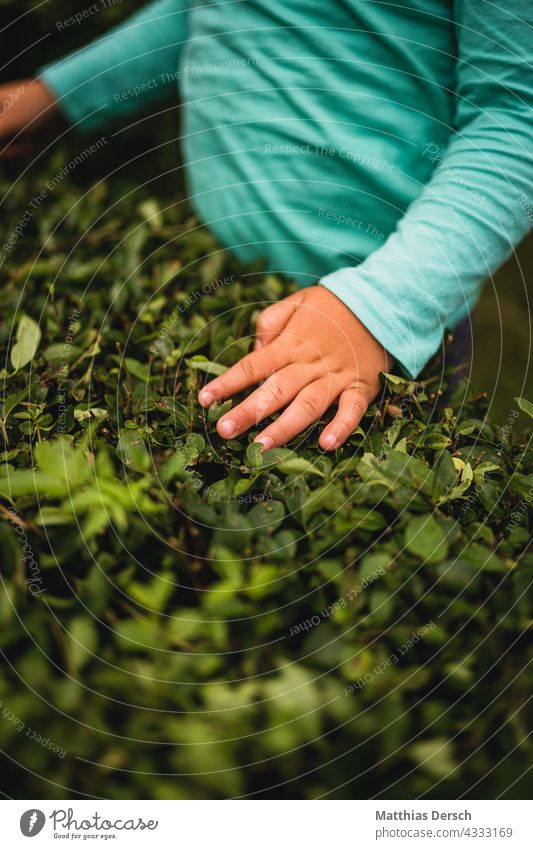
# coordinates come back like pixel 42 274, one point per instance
pixel 182 617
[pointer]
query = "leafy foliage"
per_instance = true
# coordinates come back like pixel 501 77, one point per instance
pixel 187 617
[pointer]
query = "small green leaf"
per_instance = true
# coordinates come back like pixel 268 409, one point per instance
pixel 525 406
pixel 184 456
pixel 403 385
pixel 155 594
pixel 328 497
pixel 82 641
pixel 178 411
pixel 254 455
pixel 13 400
pixel 200 363
pixel 299 466
pixel 425 538
pixel 27 342
pixel 216 410
pixel 132 450
pixel 91 413
pixel 61 353
pixel 137 369
pixel 435 756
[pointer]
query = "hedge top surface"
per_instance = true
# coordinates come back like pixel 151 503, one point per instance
pixel 187 617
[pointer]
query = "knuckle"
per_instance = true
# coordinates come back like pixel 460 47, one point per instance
pixel 268 398
pixel 340 370
pixel 241 415
pixel 310 406
pixel 360 405
pixel 303 350
pixel 356 406
pixel 272 390
pixel 247 368
pixel 281 434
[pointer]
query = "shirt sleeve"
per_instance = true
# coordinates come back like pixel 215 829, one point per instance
pixel 477 205
pixel 119 73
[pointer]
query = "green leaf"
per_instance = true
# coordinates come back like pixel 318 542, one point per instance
pixel 275 456
pixel 132 450
pixel 184 456
pixel 154 594
pixel 26 344
pixel 12 401
pixel 200 363
pixel 82 641
pixel 137 369
pixel 244 485
pixel 217 410
pixel 92 413
pixel 435 756
pixel 61 470
pixel 328 497
pixel 179 412
pixel 266 515
pixel 425 538
pixel 445 474
pixel 395 470
pixel 299 466
pixel 59 353
pixel 525 406
pixel 254 455
pixel 403 385
pixel 288 462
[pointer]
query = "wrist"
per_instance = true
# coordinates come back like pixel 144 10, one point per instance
pixel 40 100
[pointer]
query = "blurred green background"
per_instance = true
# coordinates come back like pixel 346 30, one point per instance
pixel 502 341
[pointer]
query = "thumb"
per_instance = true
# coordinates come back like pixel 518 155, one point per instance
pixel 273 319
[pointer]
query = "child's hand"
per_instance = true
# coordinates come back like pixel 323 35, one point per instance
pixel 24 106
pixel 311 351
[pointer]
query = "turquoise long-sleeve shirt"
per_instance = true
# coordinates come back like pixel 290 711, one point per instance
pixel 383 149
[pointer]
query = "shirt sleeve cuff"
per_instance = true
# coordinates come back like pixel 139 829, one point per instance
pixel 388 322
pixel 87 109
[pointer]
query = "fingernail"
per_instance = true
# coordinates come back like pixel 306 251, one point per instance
pixel 330 441
pixel 265 441
pixel 257 344
pixel 205 398
pixel 227 427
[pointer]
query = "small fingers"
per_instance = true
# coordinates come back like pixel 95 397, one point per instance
pixel 306 408
pixel 353 404
pixel 272 395
pixel 250 370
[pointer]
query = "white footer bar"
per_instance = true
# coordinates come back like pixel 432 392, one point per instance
pixel 272 824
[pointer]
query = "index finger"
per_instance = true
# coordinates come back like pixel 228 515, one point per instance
pixel 249 371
